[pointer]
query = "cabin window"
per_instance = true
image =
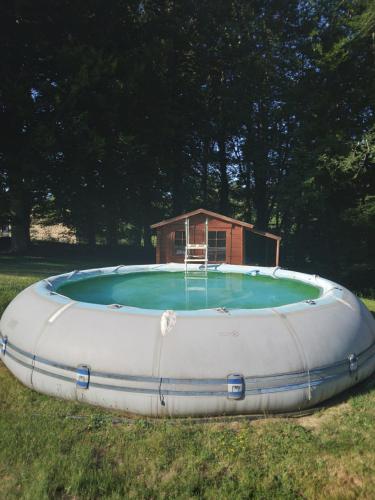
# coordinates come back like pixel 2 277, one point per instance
pixel 179 242
pixel 217 246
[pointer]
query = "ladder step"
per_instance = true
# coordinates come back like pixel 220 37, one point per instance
pixel 193 246
pixel 195 260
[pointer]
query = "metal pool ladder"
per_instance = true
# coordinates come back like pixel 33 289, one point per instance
pixel 191 248
pixel 196 280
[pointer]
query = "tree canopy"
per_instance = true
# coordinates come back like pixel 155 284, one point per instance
pixel 117 114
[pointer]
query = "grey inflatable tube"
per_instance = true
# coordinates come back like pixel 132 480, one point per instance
pixel 189 363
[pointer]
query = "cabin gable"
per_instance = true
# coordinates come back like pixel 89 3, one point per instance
pixel 226 238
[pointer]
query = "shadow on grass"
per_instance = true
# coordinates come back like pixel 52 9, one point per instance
pixel 41 266
pixel 362 389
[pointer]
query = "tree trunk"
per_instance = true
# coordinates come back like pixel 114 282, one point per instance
pixel 177 190
pixel 147 233
pixel 91 232
pixel 111 181
pixel 260 199
pixel 20 220
pixel 205 161
pixel 112 232
pixel 224 183
pixel 248 198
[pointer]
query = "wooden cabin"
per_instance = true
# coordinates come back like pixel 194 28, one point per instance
pixel 230 241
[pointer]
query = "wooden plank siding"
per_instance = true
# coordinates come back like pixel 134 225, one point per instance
pixel 237 236
pixel 165 251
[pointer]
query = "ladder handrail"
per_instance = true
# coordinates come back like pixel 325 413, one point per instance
pixel 195 246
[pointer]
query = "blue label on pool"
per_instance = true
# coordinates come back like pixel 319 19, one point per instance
pixel 83 377
pixel 236 386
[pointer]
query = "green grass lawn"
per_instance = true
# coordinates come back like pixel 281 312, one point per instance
pixel 57 449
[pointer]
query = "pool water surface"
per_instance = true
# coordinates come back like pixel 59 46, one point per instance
pixel 173 290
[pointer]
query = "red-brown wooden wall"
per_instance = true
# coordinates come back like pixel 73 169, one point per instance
pixel 234 238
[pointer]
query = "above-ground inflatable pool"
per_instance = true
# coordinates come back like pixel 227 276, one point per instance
pixel 154 340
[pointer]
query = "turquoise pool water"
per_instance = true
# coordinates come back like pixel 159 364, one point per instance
pixel 172 290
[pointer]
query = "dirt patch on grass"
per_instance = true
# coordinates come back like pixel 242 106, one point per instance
pixel 177 467
pixel 348 477
pixel 317 420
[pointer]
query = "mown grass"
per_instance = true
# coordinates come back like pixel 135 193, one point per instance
pixel 57 449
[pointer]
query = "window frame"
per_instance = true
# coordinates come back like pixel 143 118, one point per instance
pixel 179 249
pixel 217 253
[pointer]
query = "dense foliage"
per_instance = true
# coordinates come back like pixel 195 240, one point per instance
pixel 117 114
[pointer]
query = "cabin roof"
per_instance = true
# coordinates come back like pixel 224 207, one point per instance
pixel 214 215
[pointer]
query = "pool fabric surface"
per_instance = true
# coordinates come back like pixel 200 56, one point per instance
pixel 152 340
